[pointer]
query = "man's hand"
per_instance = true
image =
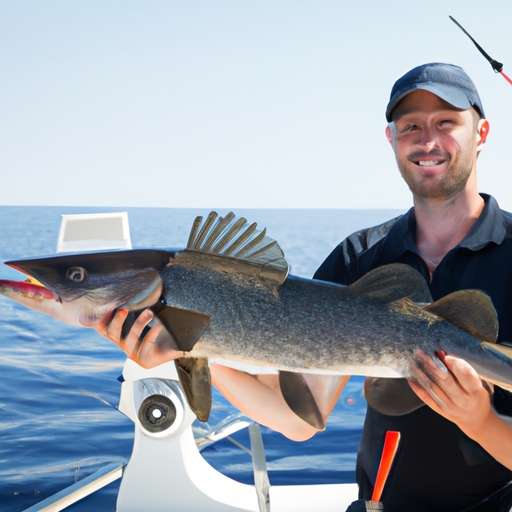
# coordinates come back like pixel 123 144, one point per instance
pixel 156 346
pixel 454 390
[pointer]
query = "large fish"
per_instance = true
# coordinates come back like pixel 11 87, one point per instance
pixel 228 295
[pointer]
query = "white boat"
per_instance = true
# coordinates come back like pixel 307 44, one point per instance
pixel 166 471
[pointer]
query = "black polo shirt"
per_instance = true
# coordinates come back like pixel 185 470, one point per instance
pixel 438 468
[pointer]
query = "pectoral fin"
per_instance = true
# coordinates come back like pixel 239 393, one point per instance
pixel 392 397
pixel 299 398
pixel 185 326
pixel 196 381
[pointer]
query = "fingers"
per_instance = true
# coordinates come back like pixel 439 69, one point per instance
pixel 158 347
pixel 146 349
pixel 111 324
pixel 466 375
pixel 139 332
pixel 115 326
pixel 146 344
pixel 429 375
pixel 451 373
pixel 111 327
pixel 451 387
pixel 427 389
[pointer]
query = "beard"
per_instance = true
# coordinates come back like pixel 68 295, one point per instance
pixel 441 187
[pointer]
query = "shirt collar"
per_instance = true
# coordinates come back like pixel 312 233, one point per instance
pixel 490 227
pixel 400 237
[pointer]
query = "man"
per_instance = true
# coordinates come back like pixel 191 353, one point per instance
pixel 456 450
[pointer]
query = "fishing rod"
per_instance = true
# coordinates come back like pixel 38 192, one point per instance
pixel 497 66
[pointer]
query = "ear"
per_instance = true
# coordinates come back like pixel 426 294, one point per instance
pixel 389 135
pixel 482 132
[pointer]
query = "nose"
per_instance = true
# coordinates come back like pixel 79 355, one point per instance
pixel 429 146
pixel 428 139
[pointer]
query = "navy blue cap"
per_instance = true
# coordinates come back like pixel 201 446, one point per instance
pixel 448 82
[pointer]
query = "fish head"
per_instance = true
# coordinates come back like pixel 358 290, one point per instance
pixel 85 287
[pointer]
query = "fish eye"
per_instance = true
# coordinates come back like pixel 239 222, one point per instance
pixel 76 274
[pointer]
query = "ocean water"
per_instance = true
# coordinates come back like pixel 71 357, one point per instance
pixel 58 384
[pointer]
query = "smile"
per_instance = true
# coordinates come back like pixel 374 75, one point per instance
pixel 429 163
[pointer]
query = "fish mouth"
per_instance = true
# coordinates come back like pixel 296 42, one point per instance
pixel 121 278
pixel 85 311
pixel 35 296
pixel 24 286
pixel 30 288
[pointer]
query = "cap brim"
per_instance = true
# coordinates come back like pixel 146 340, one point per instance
pixel 454 97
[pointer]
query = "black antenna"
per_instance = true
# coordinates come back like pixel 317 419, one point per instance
pixel 497 66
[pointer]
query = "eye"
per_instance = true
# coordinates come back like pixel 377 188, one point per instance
pixel 407 128
pixel 76 274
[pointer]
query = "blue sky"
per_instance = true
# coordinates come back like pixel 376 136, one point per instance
pixel 229 104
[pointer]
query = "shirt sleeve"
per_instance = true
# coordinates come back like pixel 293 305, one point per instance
pixel 343 265
pixel 337 267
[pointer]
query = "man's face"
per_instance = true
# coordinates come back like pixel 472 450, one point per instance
pixel 435 144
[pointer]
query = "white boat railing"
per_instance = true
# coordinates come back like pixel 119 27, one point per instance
pixel 80 489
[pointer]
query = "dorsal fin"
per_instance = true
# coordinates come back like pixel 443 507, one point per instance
pixel 230 244
pixel 393 282
pixel 469 310
pixel 195 243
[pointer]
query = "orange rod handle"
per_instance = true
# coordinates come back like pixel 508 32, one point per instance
pixel 391 443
